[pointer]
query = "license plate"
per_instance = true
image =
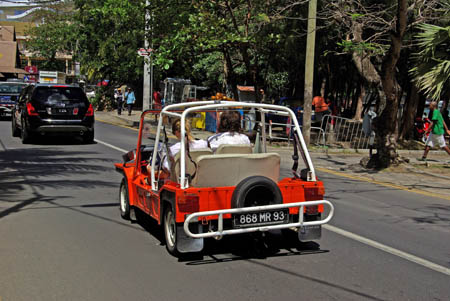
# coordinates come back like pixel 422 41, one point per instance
pixel 62 110
pixel 261 218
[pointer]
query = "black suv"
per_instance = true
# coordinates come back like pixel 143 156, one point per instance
pixel 45 109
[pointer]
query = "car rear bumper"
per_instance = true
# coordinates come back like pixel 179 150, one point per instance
pixel 63 129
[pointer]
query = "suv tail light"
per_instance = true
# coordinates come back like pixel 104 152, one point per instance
pixel 90 110
pixel 31 110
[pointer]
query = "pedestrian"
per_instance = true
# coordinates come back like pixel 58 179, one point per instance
pixel 157 103
pixel 437 128
pixel 130 99
pixel 119 100
pixel 320 108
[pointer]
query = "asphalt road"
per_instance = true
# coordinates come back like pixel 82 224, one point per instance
pixel 62 238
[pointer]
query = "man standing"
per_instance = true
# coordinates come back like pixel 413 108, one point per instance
pixel 320 108
pixel 437 132
pixel 157 105
pixel 119 100
pixel 130 99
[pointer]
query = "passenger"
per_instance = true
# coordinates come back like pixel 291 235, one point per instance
pixel 229 131
pixel 175 149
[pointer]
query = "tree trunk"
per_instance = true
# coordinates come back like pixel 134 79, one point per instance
pixel 230 76
pixel 386 124
pixel 412 101
pixel 359 105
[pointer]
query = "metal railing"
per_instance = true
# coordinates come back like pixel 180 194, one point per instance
pixel 344 132
pixel 287 130
pixel 221 231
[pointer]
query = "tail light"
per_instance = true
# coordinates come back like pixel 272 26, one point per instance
pixel 75 111
pixel 188 203
pixel 90 110
pixel 31 110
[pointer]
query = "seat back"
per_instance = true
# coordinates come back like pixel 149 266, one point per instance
pixel 223 170
pixel 190 167
pixel 234 149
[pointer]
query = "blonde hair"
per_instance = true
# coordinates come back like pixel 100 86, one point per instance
pixel 176 126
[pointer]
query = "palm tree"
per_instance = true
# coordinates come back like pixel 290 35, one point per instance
pixel 432 70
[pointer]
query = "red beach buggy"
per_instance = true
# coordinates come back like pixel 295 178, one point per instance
pixel 232 191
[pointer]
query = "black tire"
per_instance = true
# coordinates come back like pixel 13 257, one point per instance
pixel 25 135
pixel 256 191
pixel 15 131
pixel 170 231
pixel 124 202
pixel 88 138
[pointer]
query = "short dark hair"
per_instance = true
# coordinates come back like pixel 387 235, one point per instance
pixel 230 121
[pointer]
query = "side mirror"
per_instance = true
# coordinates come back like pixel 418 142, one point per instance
pixel 130 156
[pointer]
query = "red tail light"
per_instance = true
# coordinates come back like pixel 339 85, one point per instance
pixel 188 203
pixel 75 111
pixel 90 111
pixel 31 110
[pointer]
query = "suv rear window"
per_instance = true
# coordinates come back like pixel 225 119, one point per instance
pixel 51 95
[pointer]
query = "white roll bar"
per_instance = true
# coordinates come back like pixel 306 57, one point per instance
pixel 189 107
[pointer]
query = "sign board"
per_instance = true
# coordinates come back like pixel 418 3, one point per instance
pixel 31 69
pixel 144 51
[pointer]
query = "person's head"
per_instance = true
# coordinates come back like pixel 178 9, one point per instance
pixel 119 91
pixel 230 121
pixel 129 89
pixel 433 105
pixel 176 129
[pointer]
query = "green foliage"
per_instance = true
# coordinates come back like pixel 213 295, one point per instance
pixel 432 58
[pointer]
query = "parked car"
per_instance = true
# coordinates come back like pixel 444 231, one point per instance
pixel 9 92
pixel 49 109
pixel 235 190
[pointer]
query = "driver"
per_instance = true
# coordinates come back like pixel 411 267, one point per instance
pixel 229 131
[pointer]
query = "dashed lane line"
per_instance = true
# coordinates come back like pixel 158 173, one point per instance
pixel 356 237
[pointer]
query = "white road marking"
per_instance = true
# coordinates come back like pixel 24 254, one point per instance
pixel 382 247
pixel 111 146
pixel 361 239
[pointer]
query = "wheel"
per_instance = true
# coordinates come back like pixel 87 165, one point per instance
pixel 124 200
pixel 14 130
pixel 170 231
pixel 88 138
pixel 25 134
pixel 256 191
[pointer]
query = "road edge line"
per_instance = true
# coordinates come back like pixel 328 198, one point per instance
pixel 400 187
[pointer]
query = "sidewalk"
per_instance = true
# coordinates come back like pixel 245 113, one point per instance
pixel 430 178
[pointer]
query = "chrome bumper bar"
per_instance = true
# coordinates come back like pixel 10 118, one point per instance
pixel 221 232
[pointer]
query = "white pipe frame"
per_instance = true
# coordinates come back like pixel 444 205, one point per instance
pixel 208 105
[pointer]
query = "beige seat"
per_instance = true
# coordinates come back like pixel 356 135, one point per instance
pixel 234 149
pixel 190 167
pixel 222 170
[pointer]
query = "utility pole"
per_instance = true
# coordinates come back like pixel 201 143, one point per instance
pixel 148 68
pixel 309 70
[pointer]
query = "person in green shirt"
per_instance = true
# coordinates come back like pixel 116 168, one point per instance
pixel 438 128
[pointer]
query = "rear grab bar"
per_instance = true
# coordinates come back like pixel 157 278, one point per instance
pixel 221 232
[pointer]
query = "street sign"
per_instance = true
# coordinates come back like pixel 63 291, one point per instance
pixel 144 51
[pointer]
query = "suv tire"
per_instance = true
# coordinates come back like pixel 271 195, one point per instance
pixel 15 131
pixel 25 134
pixel 88 137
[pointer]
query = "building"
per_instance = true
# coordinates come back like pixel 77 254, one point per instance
pixel 9 54
pixel 19 14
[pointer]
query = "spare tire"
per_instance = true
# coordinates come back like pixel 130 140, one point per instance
pixel 256 191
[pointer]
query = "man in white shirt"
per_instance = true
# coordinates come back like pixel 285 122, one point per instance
pixel 229 131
